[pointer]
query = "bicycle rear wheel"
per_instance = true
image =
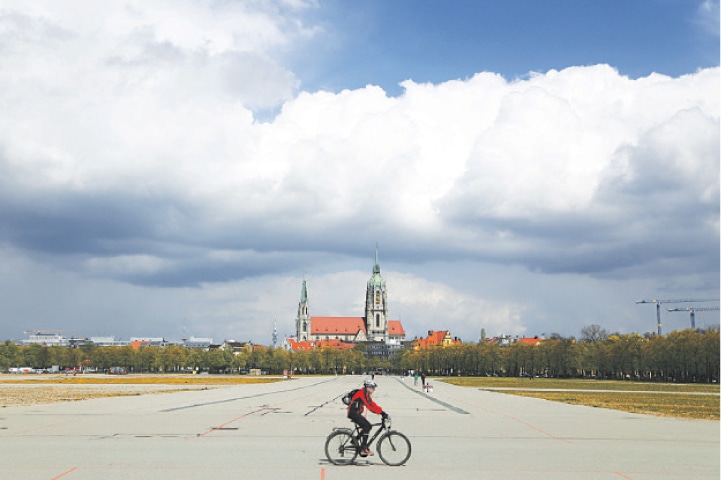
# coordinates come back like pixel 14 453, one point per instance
pixel 394 448
pixel 339 447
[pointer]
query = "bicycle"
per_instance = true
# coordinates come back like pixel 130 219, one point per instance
pixel 343 445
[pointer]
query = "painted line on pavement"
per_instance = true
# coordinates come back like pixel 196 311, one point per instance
pixel 432 399
pixel 65 473
pixel 228 400
pixel 220 427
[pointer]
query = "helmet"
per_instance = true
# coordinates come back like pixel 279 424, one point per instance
pixel 369 384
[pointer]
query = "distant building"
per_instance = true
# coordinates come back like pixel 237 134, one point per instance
pixel 47 339
pixel 435 339
pixel 506 340
pixel 195 342
pixel 373 328
pixel 109 342
pixel 151 341
pixel 232 346
pixel 51 338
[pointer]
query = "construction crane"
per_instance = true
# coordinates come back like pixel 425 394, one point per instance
pixel 660 302
pixel 693 311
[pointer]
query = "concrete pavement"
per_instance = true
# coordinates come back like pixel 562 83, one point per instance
pixel 278 431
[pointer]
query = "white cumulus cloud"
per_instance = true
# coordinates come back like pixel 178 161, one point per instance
pixel 136 148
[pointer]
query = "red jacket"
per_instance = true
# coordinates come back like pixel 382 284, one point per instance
pixel 361 400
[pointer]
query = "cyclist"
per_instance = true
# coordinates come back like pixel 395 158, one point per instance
pixel 361 400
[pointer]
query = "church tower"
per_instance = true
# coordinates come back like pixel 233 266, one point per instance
pixel 302 320
pixel 376 315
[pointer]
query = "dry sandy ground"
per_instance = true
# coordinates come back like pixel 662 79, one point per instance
pixel 23 390
pixel 11 395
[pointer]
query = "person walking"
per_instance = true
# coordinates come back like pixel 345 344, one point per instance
pixel 423 380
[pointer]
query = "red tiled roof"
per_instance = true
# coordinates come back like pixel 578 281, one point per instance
pixel 136 344
pixel 348 326
pixel 437 337
pixel 530 341
pixel 337 325
pixel 434 339
pixel 395 327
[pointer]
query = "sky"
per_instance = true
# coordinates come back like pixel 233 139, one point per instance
pixel 177 168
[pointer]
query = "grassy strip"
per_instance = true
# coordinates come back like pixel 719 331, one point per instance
pixel 636 397
pixel 580 384
pixel 704 407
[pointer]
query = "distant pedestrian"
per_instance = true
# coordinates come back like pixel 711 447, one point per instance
pixel 415 379
pixel 423 379
pixel 373 375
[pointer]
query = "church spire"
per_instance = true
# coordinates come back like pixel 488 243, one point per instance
pixel 376 313
pixel 303 320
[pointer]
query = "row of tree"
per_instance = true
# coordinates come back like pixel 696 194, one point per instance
pixel 684 356
pixel 174 358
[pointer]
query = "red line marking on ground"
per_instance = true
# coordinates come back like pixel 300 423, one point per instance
pixel 622 475
pixel 65 473
pixel 322 474
pixel 516 419
pixel 536 428
pixel 231 421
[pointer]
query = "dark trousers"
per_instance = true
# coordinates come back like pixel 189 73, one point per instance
pixel 365 426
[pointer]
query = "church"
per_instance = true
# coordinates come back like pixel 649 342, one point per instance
pixel 373 327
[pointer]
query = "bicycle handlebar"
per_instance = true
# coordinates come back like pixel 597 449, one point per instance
pixel 383 422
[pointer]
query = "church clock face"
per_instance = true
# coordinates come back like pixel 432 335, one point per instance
pixel 378 298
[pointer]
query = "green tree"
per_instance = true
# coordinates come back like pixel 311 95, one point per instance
pixel 10 355
pixel 35 355
pixel 172 358
pixel 709 356
pixel 146 359
pixel 259 357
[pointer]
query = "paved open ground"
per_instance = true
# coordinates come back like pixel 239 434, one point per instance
pixel 278 431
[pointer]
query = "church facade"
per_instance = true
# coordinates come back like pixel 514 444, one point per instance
pixel 373 327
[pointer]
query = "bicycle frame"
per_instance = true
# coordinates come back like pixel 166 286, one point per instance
pixel 372 439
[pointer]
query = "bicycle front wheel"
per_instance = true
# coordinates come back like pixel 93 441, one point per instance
pixel 339 447
pixel 394 448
